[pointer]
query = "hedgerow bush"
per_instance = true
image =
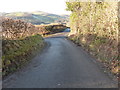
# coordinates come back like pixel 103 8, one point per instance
pixel 20 42
pixel 94 25
pixel 50 29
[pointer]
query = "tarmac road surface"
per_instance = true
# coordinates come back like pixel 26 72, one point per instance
pixel 62 64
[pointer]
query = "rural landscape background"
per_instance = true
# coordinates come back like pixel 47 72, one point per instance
pixel 75 46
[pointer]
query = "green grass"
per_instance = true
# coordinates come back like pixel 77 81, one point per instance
pixel 17 52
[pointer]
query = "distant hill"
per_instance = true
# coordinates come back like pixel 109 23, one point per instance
pixel 37 17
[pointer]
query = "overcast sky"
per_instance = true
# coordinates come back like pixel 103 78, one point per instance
pixel 50 6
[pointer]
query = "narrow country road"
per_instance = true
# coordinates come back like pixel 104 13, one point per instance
pixel 62 64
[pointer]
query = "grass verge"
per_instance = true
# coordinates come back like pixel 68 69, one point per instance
pixel 16 53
